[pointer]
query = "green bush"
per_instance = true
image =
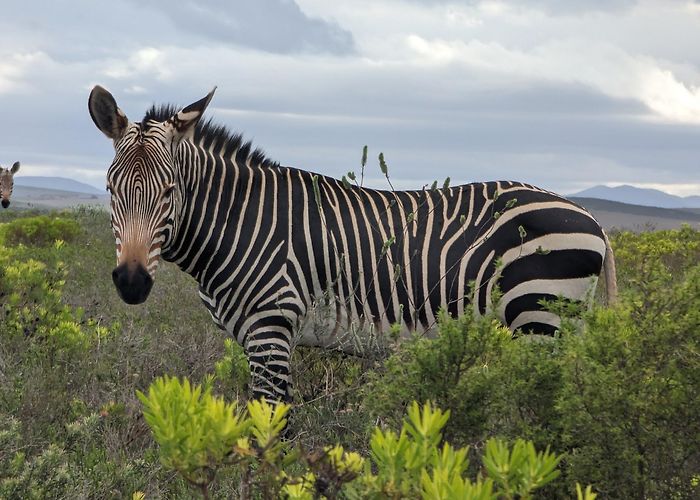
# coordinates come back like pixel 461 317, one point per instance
pixel 39 230
pixel 43 345
pixel 31 297
pixel 615 393
pixel 72 356
pixel 614 396
pixel 628 401
pixel 232 371
pixel 456 370
pixel 199 434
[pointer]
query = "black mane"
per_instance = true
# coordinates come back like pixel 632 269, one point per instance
pixel 209 134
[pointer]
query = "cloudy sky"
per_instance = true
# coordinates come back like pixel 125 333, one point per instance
pixel 561 93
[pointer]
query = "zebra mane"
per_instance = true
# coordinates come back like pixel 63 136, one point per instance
pixel 211 135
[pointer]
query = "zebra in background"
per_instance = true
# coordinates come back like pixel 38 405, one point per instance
pixel 7 183
pixel 271 246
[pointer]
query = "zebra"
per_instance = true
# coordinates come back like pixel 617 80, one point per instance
pixel 272 247
pixel 7 183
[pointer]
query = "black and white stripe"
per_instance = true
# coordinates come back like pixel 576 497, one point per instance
pixel 285 257
pixel 7 183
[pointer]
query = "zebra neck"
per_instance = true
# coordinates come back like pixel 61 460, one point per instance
pixel 213 215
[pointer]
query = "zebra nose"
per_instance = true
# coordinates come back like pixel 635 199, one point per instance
pixel 133 284
pixel 5 203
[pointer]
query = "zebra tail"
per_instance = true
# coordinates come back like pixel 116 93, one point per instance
pixel 610 273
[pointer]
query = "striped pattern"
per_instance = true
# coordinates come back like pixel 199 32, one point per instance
pixel 285 257
pixel 7 183
pixel 142 195
pixel 301 253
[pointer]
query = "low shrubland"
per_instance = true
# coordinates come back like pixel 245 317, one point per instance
pixel 199 434
pixel 613 396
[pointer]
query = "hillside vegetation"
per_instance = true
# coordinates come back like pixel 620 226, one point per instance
pixel 613 398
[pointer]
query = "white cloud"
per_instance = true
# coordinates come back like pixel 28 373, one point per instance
pixel 645 52
pixel 148 62
pixel 602 66
pixel 14 68
pixel 135 89
pixel 671 98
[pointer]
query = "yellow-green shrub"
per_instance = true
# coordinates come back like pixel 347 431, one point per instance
pixel 39 230
pixel 31 301
pixel 199 433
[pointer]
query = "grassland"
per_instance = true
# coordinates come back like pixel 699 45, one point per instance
pixel 618 400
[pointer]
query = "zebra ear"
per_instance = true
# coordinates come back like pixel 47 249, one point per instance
pixel 183 121
pixel 107 116
pixel 15 168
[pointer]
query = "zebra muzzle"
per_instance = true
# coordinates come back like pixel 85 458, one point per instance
pixel 5 203
pixel 133 283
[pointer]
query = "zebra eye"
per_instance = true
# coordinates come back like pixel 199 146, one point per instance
pixel 169 190
pixel 109 189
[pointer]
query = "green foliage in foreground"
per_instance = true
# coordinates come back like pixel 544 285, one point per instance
pixel 72 356
pixel 199 433
pixel 614 396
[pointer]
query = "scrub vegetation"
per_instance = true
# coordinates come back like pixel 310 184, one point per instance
pixel 103 400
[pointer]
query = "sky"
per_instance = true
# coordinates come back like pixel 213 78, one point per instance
pixel 564 94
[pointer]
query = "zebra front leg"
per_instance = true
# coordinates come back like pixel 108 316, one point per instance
pixel 268 349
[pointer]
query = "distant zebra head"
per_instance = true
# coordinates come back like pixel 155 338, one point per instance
pixel 7 182
pixel 143 183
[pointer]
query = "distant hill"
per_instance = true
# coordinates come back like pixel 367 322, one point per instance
pixel 59 183
pixel 639 196
pixel 36 197
pixel 613 214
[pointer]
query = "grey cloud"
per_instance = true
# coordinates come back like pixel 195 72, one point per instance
pixel 575 6
pixel 551 135
pixel 556 151
pixel 272 25
pixel 317 112
pixel 555 147
pixel 409 94
pixel 84 30
pixel 561 7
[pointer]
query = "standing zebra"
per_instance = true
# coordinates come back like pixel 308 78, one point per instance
pixel 274 248
pixel 7 182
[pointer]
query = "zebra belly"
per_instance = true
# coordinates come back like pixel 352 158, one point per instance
pixel 329 325
pixel 332 325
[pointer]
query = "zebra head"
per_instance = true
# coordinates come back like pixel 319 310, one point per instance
pixel 7 182
pixel 143 183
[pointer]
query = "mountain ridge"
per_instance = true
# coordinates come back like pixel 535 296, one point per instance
pixel 57 183
pixel 638 196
